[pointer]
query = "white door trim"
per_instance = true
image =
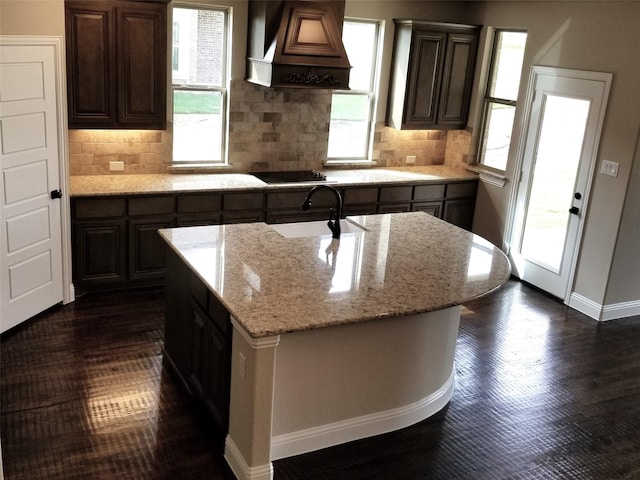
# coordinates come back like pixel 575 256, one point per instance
pixel 535 72
pixel 58 45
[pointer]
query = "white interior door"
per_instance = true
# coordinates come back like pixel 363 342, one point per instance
pixel 31 268
pixel 565 118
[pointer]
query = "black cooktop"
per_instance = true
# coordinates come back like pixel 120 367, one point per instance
pixel 290 176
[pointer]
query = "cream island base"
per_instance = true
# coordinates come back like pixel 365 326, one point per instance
pixel 325 346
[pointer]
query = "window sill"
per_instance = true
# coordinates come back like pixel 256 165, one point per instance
pixel 349 163
pixel 489 176
pixel 198 168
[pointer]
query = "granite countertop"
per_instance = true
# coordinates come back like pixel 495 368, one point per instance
pixel 404 263
pixel 103 185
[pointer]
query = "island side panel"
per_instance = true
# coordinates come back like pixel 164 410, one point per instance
pixel 248 443
pixel 343 383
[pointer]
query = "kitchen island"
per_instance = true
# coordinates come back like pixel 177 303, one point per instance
pixel 330 345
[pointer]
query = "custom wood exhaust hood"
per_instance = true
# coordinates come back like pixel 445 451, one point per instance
pixel 297 44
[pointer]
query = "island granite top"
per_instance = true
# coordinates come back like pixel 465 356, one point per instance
pixel 402 264
pixel 103 185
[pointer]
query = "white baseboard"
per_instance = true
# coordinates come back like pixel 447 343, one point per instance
pixel 601 312
pixel 316 438
pixel 239 465
pixel 621 310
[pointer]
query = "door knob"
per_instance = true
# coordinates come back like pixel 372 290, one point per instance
pixel 574 210
pixel 577 195
pixel 56 194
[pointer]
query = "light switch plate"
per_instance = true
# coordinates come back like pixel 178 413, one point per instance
pixel 609 168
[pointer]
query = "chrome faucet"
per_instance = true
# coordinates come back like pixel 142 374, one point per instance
pixel 334 216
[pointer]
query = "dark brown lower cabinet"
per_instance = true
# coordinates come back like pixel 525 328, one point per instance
pixel 116 244
pixel 100 252
pixel 198 339
pixel 459 212
pixel 432 208
pixel 147 249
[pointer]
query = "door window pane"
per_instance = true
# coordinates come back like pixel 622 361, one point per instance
pixel 554 176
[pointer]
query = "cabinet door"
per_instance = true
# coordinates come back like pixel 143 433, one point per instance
pixel 459 212
pixel 99 252
pixel 217 381
pixel 457 80
pixel 142 64
pixel 147 249
pixel 178 313
pixel 197 371
pixel 432 208
pixel 424 82
pixel 91 64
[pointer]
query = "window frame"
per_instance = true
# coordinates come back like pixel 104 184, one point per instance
pixel 372 95
pixel 223 88
pixel 488 100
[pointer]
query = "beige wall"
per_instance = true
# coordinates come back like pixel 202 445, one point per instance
pixel 624 283
pixel 32 17
pixel 590 36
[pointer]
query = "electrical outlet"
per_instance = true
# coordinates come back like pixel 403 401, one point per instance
pixel 410 159
pixel 116 166
pixel 609 168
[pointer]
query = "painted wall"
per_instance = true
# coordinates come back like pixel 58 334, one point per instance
pixel 624 279
pixel 32 17
pixel 589 36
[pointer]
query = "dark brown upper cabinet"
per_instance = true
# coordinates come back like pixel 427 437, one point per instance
pixel 432 75
pixel 116 64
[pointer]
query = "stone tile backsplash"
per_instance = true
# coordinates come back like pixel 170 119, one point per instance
pixel 269 129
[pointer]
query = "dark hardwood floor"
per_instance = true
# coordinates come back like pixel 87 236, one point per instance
pixel 542 392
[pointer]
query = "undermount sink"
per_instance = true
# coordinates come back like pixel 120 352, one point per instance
pixel 315 229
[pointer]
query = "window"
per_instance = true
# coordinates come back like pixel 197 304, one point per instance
pixel 352 111
pixel 500 98
pixel 199 78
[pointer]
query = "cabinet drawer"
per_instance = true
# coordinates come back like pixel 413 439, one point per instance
pixel 394 208
pixel 152 205
pixel 428 192
pixel 199 203
pixel 242 201
pixel 99 207
pixel 360 196
pixel 292 200
pixel 458 190
pixel 395 194
pixel 242 217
